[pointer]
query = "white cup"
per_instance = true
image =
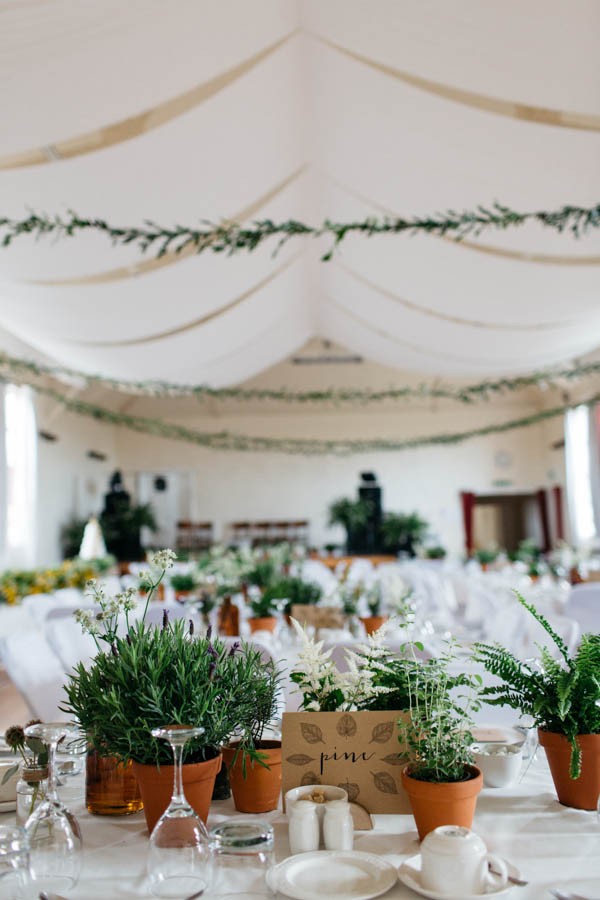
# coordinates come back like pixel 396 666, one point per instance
pixel 500 763
pixel 455 860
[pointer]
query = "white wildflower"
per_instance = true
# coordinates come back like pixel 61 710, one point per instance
pixel 162 559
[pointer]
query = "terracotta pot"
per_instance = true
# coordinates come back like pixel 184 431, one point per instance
pixel 265 623
pixel 582 792
pixel 373 623
pixel 448 803
pixel 156 787
pixel 259 791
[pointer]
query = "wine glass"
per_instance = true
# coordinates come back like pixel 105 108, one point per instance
pixel 179 856
pixel 52 830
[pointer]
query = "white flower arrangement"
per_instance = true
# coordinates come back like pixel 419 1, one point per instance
pixel 103 623
pixel 325 688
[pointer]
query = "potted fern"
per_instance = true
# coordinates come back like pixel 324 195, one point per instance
pixel 440 779
pixel 562 696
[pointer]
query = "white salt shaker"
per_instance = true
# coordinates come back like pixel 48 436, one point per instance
pixel 338 827
pixel 304 832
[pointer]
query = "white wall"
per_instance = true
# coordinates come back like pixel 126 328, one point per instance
pixel 69 483
pixel 229 486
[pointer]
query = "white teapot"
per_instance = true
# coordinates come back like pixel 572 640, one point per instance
pixel 455 860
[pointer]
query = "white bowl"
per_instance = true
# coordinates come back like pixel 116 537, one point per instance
pixel 331 793
pixel 8 791
pixel 499 763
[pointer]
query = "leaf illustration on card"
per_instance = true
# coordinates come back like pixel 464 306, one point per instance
pixel 382 733
pixel 312 734
pixel 299 759
pixel 346 727
pixel 395 759
pixel 351 788
pixel 384 782
pixel 309 778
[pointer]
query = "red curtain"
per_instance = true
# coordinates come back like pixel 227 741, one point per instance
pixel 558 513
pixel 543 507
pixel 467 499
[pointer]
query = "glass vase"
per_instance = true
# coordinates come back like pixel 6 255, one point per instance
pixel 111 788
pixel 31 790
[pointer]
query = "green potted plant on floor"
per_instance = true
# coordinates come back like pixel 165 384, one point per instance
pixel 562 695
pixel 440 779
pixel 353 516
pixel 403 532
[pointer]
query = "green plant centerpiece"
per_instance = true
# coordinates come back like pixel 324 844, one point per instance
pixel 562 696
pixel 440 779
pixel 155 676
pixel 485 556
pixel 183 583
pixel 295 591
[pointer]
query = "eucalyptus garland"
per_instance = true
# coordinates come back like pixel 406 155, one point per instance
pixel 482 390
pixel 227 440
pixel 233 237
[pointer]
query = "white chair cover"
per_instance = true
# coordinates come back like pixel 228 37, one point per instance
pixel 36 672
pixel 583 605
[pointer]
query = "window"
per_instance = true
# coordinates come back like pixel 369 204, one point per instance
pixel 581 450
pixel 20 445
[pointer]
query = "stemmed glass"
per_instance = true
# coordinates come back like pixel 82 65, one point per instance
pixel 52 830
pixel 179 857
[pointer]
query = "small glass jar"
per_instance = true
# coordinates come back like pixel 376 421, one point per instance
pixel 111 788
pixel 31 790
pixel 243 853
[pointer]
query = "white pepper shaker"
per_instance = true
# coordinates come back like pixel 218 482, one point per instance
pixel 304 832
pixel 338 827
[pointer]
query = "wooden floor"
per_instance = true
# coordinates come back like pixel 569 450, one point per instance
pixel 13 709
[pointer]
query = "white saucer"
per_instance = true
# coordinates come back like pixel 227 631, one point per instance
pixel 8 806
pixel 410 875
pixel 335 874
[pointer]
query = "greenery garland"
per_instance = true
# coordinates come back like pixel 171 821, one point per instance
pixel 471 393
pixel 233 237
pixel 226 440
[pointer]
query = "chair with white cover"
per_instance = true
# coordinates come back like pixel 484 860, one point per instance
pixel 73 597
pixel 39 605
pixel 583 605
pixel 68 641
pixel 36 671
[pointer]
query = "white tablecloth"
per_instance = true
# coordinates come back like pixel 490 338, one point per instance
pixel 550 844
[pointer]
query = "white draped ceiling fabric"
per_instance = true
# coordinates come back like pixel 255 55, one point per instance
pixel 324 108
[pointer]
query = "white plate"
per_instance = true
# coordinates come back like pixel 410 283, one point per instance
pixel 497 734
pixel 8 806
pixel 335 874
pixel 410 875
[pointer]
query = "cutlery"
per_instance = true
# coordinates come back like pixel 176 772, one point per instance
pixel 511 878
pixel 567 895
pixel 197 894
pixel 45 896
